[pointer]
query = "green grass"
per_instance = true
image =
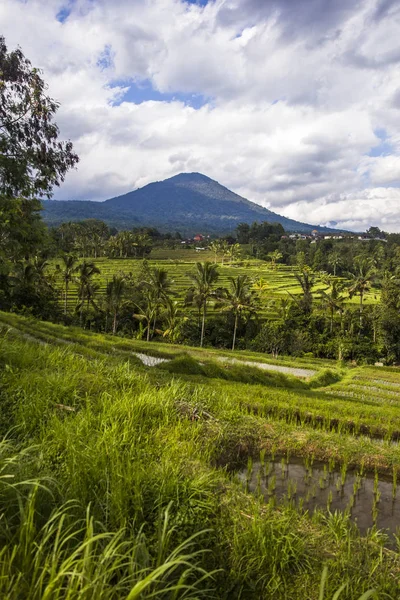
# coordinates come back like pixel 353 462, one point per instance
pixel 179 263
pixel 112 344
pixel 115 478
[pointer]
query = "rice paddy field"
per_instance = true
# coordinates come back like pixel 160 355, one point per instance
pixel 179 263
pixel 144 470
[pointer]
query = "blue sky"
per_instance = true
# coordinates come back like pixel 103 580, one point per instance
pixel 144 92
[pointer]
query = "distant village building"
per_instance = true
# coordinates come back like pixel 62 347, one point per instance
pixel 198 237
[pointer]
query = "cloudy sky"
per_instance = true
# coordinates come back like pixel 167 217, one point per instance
pixel 294 104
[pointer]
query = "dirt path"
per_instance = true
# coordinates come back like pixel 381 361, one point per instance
pixel 297 372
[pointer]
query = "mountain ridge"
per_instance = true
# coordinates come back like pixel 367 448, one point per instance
pixel 186 202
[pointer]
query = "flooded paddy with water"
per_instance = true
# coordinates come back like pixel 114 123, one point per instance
pixel 369 499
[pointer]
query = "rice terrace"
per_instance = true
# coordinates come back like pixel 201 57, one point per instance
pixel 156 454
pixel 199 396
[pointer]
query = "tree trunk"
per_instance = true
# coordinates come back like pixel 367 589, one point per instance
pixel 66 298
pixel 361 311
pixel 154 323
pixel 203 326
pixel 148 330
pixel 115 323
pixel 82 306
pixel 234 331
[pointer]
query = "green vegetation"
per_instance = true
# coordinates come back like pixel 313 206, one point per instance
pixel 151 451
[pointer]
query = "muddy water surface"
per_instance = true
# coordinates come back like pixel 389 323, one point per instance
pixel 370 500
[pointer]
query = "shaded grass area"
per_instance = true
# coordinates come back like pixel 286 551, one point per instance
pixel 50 332
pixel 150 452
pixel 187 365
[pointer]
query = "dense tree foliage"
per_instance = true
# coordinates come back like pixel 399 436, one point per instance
pixel 314 321
pixel 32 159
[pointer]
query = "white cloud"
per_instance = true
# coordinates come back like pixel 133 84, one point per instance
pixel 356 210
pixel 296 96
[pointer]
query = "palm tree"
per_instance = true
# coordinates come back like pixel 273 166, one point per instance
pixel 215 247
pixel 275 256
pixel 121 244
pixel 239 298
pixel 141 244
pixel 86 287
pixel 202 291
pixel 260 285
pixel 306 279
pixel 332 300
pixel 68 270
pixel 234 252
pixel 24 275
pixel 224 249
pixel 173 319
pixel 159 283
pixel 360 282
pixel 335 260
pixel 115 295
pixel 148 309
pixel 283 308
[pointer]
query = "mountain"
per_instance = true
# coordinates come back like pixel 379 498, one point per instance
pixel 189 202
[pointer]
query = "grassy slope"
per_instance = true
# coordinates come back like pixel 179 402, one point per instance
pixel 138 439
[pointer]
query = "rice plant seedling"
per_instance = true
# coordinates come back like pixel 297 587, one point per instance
pixel 291 489
pixel 357 484
pixel 249 468
pixel 377 493
pixel 343 474
pixel 271 484
pixel 259 482
pixel 338 593
pixel 283 467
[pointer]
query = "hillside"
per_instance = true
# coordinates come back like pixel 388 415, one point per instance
pixel 187 202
